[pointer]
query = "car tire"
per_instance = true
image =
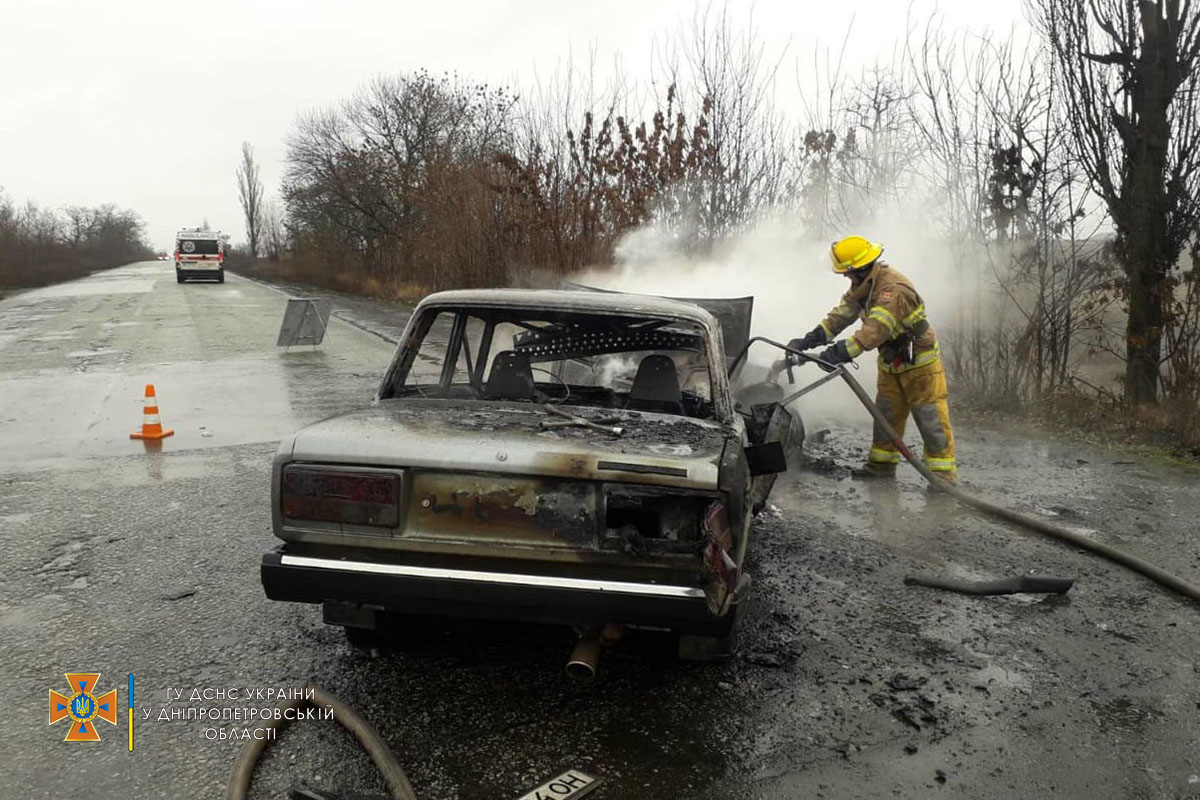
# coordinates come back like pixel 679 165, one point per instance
pixel 361 637
pixel 220 276
pixel 178 277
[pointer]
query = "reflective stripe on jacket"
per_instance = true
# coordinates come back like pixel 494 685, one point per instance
pixel 890 308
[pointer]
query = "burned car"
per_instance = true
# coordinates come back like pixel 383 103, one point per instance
pixel 566 457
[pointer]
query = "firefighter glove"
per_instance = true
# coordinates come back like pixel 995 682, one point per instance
pixel 814 338
pixel 838 353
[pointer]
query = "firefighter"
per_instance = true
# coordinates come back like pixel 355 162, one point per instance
pixel 911 377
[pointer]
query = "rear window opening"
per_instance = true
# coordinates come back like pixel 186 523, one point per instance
pixel 569 358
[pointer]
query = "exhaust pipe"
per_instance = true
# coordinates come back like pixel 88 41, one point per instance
pixel 581 666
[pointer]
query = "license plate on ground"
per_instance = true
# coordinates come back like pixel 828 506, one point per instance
pixel 568 786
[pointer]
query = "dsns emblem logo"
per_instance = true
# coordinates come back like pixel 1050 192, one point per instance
pixel 82 706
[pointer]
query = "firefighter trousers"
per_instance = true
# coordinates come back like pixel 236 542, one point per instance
pixel 922 392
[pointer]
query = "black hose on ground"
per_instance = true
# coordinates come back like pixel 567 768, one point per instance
pixel 1134 563
pixel 1021 584
pixel 385 761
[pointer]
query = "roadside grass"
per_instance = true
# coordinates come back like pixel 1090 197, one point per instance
pixel 1168 434
pixel 395 291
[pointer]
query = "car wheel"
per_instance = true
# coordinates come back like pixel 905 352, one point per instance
pixel 178 278
pixel 361 637
pixel 220 276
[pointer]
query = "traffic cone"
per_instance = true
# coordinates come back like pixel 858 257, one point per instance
pixel 151 425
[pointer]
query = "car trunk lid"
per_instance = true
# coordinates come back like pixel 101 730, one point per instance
pixel 490 437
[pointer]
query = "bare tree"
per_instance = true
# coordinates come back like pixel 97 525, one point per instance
pixel 274 234
pixel 80 222
pixel 250 195
pixel 734 77
pixel 1131 71
pixel 1007 191
pixel 857 159
pixel 373 183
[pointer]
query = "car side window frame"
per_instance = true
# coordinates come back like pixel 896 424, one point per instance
pixel 406 352
pixel 453 350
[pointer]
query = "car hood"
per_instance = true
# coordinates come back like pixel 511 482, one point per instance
pixel 478 436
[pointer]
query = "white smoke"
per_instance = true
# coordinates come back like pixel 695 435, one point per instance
pixel 793 286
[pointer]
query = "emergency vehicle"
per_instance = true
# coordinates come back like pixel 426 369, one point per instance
pixel 199 254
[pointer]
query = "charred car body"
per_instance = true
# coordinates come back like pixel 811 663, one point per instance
pixel 563 457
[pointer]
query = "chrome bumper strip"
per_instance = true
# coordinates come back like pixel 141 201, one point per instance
pixel 475 576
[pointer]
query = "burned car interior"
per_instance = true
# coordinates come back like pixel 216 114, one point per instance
pixel 569 358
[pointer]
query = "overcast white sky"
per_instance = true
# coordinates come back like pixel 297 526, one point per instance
pixel 145 103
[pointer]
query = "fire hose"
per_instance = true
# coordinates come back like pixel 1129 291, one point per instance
pixel 385 761
pixel 1155 573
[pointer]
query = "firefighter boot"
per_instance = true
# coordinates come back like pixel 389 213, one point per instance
pixel 872 470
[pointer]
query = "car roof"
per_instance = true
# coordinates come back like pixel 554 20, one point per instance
pixel 603 302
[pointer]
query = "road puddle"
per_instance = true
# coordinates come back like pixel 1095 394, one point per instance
pixel 207 404
pixel 96 353
pixel 90 287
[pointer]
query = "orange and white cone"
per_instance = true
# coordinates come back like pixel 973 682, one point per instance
pixel 151 425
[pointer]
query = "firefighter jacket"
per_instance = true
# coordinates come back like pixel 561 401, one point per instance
pixel 893 320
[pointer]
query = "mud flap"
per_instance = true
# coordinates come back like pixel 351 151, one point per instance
pixel 766 459
pixel 784 432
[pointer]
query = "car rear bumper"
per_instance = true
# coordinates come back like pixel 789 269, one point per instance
pixel 412 589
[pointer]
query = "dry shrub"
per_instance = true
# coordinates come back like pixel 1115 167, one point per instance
pixel 406 293
pixel 1105 419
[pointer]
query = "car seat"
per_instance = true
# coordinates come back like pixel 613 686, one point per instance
pixel 656 386
pixel 511 377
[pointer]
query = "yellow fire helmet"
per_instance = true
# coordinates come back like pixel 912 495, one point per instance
pixel 854 252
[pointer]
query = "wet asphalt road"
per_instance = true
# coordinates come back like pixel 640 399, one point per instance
pixel 848 683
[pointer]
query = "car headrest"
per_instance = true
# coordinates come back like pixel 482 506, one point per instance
pixel 511 377
pixel 656 381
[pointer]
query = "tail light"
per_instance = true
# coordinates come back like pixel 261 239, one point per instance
pixel 720 571
pixel 715 526
pixel 341 496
